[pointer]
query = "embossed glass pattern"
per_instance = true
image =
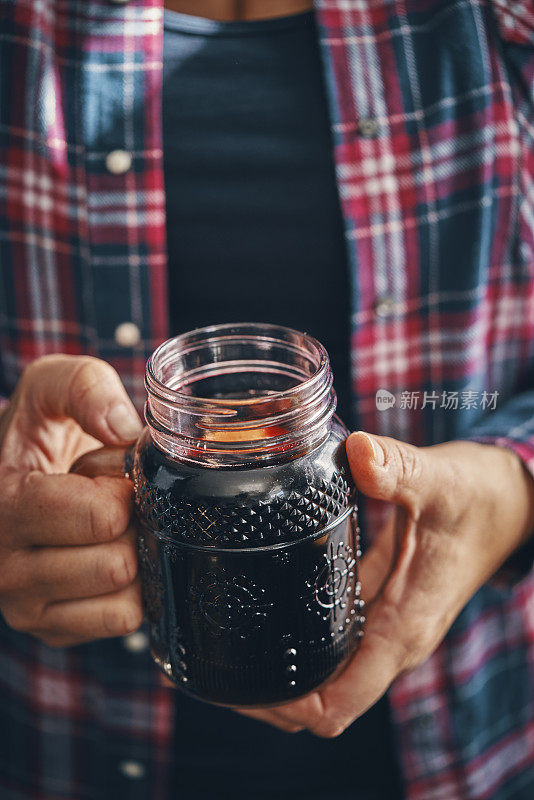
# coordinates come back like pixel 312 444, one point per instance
pixel 248 538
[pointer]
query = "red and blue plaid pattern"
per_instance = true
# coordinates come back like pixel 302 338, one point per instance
pixel 432 113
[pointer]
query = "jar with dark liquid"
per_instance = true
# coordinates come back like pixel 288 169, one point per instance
pixel 248 540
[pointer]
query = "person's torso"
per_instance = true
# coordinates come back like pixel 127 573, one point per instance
pixel 254 232
pixel 430 113
pixel 254 225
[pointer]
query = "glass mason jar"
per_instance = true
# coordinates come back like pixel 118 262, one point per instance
pixel 247 533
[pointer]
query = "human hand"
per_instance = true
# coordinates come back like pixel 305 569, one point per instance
pixel 67 547
pixel 462 509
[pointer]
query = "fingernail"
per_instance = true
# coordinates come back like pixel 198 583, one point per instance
pixel 124 422
pixel 378 453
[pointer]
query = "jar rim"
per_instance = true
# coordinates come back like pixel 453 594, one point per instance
pixel 234 426
pixel 225 331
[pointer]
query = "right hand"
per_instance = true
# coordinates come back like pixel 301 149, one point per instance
pixel 68 564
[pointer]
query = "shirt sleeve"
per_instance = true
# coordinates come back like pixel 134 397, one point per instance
pixel 512 426
pixel 515 21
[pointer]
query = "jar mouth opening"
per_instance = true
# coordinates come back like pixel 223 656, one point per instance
pixel 176 367
pixel 244 389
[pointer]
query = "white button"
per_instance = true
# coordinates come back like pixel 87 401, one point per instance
pixel 384 306
pixel 127 334
pixel 118 162
pixel 136 642
pixel 368 127
pixel 132 769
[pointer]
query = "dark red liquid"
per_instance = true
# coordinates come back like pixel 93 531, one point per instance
pixel 251 600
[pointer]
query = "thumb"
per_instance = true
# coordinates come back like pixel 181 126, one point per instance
pixel 81 388
pixel 386 469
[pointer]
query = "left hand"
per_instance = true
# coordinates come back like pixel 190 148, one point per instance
pixel 462 509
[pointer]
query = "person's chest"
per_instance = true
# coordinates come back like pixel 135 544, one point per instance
pixel 427 154
pixel 239 9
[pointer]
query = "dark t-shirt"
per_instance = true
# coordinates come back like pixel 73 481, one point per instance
pixel 255 233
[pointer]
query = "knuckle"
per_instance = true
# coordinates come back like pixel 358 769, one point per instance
pixel 330 728
pixel 112 620
pixel 35 368
pixel 122 566
pixel 30 484
pixel 122 618
pixel 409 464
pixel 133 617
pixel 87 375
pixel 118 516
pixel 453 485
pixel 108 518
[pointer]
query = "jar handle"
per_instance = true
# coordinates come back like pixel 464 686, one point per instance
pixel 113 462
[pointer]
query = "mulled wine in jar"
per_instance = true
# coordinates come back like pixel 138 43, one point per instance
pixel 248 540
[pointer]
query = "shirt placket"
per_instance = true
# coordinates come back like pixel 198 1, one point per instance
pixel 120 83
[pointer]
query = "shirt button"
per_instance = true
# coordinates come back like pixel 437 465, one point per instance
pixel 526 253
pixel 384 306
pixel 368 127
pixel 132 769
pixel 127 334
pixel 118 162
pixel 119 2
pixel 423 724
pixel 136 642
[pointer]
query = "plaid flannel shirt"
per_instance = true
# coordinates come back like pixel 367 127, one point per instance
pixel 432 115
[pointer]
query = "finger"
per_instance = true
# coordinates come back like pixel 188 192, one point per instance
pixel 385 648
pixel 85 389
pixel 62 641
pixel 116 614
pixel 165 682
pixel 103 461
pixel 330 710
pixel 299 714
pixel 386 469
pixel 271 719
pixel 333 708
pixel 48 510
pixel 68 573
pixel 363 682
